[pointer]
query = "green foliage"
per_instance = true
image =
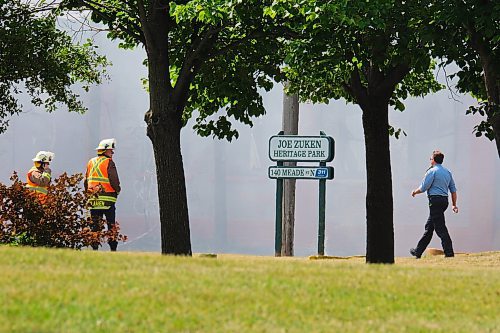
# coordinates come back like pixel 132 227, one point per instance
pixel 244 56
pixel 396 132
pixel 220 54
pixel 369 40
pixel 59 222
pixel 484 128
pixel 39 59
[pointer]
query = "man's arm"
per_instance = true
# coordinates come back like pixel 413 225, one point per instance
pixel 453 191
pixel 41 178
pixel 415 192
pixel 113 177
pixel 426 183
pixel 454 202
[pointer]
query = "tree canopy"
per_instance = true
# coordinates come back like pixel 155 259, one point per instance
pixel 376 42
pixel 40 60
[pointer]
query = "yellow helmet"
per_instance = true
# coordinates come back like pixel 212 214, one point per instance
pixel 106 144
pixel 44 156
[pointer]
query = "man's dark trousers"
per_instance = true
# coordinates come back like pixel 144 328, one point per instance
pixel 97 215
pixel 437 207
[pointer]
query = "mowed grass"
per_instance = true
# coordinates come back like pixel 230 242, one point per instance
pixel 44 290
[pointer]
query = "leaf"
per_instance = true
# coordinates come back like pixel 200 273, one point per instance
pixel 399 105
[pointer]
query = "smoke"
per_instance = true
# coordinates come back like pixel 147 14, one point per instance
pixel 231 199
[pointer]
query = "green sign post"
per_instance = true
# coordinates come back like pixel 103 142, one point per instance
pixel 296 148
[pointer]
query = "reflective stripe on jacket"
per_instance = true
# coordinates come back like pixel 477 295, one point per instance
pixel 40 190
pixel 98 179
pixel 102 201
pixel 97 174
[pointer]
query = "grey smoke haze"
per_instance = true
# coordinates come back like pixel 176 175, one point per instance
pixel 232 201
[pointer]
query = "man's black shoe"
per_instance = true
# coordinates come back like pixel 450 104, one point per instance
pixel 414 253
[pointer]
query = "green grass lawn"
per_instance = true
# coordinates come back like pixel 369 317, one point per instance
pixel 44 290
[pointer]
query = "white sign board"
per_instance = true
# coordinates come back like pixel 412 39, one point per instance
pixel 284 172
pixel 301 148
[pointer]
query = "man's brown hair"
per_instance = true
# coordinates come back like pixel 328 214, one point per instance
pixel 438 156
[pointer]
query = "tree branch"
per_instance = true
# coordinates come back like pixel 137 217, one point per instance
pixel 374 77
pixel 143 18
pixel 136 33
pixel 112 9
pixel 395 76
pixel 358 91
pixel 192 63
pixel 348 88
pixel 487 58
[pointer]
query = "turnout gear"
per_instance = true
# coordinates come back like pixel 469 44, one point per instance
pixel 38 177
pixel 38 184
pixel 97 177
pixel 101 178
pixel 97 174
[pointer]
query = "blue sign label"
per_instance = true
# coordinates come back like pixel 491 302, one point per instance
pixel 321 173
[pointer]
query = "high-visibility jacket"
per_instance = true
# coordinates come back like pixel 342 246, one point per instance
pixel 98 180
pixel 39 189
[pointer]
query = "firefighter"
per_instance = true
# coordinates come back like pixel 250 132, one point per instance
pixel 39 176
pixel 102 178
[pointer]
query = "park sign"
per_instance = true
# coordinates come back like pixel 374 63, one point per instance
pixel 295 148
pixel 301 148
pixel 300 172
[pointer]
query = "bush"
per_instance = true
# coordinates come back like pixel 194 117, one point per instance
pixel 62 221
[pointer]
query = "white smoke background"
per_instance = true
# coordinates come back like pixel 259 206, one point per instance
pixel 231 199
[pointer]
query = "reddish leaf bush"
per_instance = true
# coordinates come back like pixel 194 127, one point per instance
pixel 62 221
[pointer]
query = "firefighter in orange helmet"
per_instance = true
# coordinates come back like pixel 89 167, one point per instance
pixel 39 176
pixel 102 177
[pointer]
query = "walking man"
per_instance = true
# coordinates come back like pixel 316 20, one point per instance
pixel 39 176
pixel 102 178
pixel 437 181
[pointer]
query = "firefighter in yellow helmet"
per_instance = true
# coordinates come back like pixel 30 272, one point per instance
pixel 102 177
pixel 39 176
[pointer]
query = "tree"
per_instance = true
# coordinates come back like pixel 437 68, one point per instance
pixel 472 30
pixel 201 55
pixel 370 53
pixel 40 60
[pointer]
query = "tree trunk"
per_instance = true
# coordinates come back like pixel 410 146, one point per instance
pixel 163 128
pixel 174 218
pixel 495 122
pixel 491 79
pixel 379 206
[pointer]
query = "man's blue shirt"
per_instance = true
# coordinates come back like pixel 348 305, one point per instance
pixel 437 181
